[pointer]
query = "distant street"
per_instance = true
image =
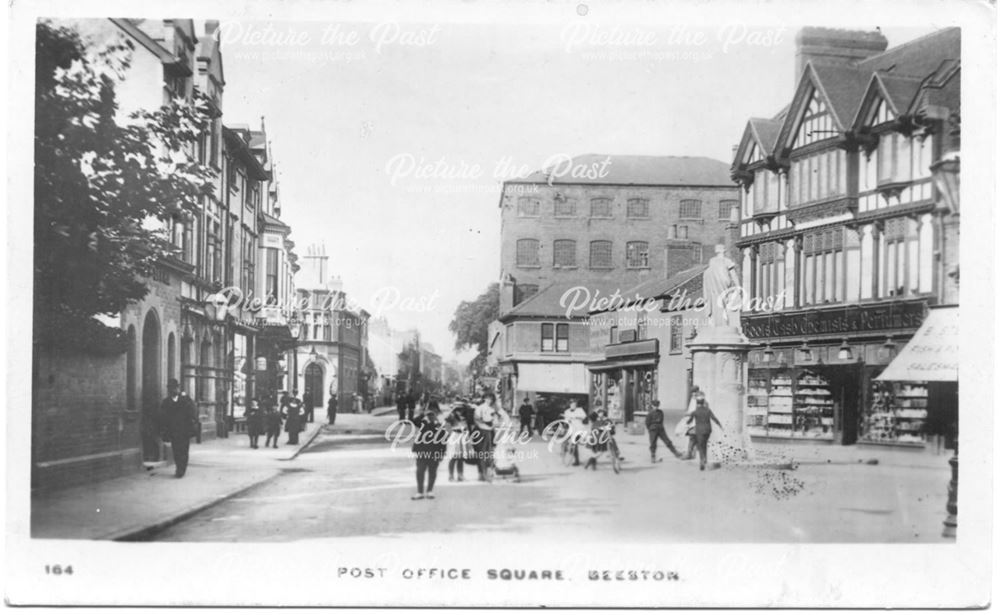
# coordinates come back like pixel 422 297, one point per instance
pixel 352 484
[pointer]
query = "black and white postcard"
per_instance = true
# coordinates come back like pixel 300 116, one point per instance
pixel 578 303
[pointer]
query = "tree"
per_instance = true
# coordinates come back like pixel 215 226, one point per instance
pixel 471 323
pixel 99 183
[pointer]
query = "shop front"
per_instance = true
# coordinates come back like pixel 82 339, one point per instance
pixel 625 381
pixel 551 386
pixel 815 376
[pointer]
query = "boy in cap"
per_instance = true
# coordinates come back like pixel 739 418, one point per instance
pixel 654 425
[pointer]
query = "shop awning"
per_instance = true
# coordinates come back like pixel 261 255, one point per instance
pixel 932 354
pixel 552 377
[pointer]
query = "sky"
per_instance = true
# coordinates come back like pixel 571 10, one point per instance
pixel 391 140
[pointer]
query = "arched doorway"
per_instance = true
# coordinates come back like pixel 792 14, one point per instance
pixel 314 384
pixel 151 378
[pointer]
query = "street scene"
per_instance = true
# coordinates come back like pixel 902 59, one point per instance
pixel 322 283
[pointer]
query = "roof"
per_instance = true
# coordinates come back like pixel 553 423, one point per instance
pixel 270 220
pixel 635 171
pixel 765 132
pixel 898 90
pixel 665 287
pixel 548 301
pixel 919 57
pixel 843 86
pixel 901 71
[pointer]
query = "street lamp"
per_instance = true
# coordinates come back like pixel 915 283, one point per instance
pixel 807 354
pixel 845 354
pixel 768 354
pixel 946 174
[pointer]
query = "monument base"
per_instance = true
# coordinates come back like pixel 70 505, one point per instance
pixel 719 370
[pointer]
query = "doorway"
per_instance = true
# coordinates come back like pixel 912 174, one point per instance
pixel 845 383
pixel 151 377
pixel 314 384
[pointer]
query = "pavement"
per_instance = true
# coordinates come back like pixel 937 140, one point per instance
pixel 137 505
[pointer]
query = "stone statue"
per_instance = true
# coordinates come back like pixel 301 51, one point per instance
pixel 717 279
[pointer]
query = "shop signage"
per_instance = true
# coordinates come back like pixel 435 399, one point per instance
pixel 836 321
pixel 631 349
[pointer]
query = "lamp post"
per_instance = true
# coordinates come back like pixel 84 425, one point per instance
pixel 946 174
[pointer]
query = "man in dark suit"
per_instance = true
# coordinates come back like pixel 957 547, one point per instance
pixel 178 424
pixel 307 407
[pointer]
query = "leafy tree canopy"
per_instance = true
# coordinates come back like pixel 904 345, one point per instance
pixel 472 321
pixel 98 184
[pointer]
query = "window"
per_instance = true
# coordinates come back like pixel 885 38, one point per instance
pixel 527 253
pixel 640 326
pixel 820 176
pixel 548 337
pixel 696 253
pixel 638 208
pixel 726 209
pixel 564 253
pixel 895 158
pixel 823 261
pixel 676 334
pixel 600 255
pixel 565 208
pixel 637 255
pixel 562 338
pixel 213 261
pixel 613 337
pixel 600 208
pixel 248 262
pixel 528 207
pixel 770 269
pixel 899 269
pixel 690 209
pixel 681 231
pixel 271 279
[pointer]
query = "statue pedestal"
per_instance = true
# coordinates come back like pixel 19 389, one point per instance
pixel 719 356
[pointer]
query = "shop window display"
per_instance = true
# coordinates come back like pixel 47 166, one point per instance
pixel 788 404
pixel 814 406
pixel 897 413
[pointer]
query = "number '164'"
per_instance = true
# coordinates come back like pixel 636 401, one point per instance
pixel 58 570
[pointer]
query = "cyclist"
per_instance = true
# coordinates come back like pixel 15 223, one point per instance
pixel 601 430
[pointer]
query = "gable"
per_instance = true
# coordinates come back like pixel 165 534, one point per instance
pixel 815 122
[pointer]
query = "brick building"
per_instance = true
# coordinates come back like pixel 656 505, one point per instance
pixel 634 219
pixel 331 351
pixel 93 416
pixel 842 218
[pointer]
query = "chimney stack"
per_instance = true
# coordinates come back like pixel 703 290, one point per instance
pixel 830 46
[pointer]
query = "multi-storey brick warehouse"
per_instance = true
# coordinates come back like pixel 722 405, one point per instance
pixel 639 216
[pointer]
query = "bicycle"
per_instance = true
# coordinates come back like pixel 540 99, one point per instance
pixel 570 450
pixel 616 456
